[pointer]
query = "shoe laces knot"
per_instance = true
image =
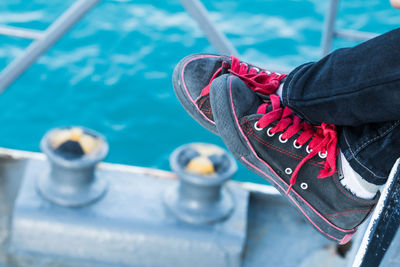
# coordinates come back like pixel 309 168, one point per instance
pixel 323 138
pixel 262 82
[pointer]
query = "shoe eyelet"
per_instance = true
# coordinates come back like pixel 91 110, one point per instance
pixel 304 186
pixel 322 155
pixel 288 171
pixel 282 140
pixel 296 145
pixel 308 150
pixel 256 127
pixel 269 132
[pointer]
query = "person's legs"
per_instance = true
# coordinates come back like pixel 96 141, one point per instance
pixel 351 86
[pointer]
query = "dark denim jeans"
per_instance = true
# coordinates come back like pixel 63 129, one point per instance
pixel 357 89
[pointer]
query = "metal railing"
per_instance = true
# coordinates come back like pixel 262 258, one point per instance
pixel 197 10
pixel 330 32
pixel 43 40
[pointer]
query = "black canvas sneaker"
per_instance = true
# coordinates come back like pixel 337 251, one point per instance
pixel 193 75
pixel 298 159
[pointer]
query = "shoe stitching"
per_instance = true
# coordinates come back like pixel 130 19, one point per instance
pixel 204 107
pixel 350 196
pixel 377 137
pixel 344 211
pixel 298 206
pixel 340 215
pixel 282 151
pixel 200 101
pixel 186 90
pixel 251 132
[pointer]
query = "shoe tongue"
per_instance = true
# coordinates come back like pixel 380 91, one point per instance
pixel 269 108
pixel 225 68
pixel 266 99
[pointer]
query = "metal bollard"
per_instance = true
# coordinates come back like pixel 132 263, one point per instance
pixel 72 153
pixel 200 197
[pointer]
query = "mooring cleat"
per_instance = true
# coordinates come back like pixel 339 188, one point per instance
pixel 72 153
pixel 200 196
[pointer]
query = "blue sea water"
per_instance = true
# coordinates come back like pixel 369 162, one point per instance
pixel 112 71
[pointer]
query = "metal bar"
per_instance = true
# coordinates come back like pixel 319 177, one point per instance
pixel 383 225
pixel 354 35
pixel 328 33
pixel 52 34
pixel 20 32
pixel 356 242
pixel 215 37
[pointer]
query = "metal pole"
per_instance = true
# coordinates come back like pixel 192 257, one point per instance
pixel 52 34
pixel 215 37
pixel 20 32
pixel 329 27
pixel 354 35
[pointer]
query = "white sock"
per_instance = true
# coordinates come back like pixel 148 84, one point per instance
pixel 279 91
pixel 355 183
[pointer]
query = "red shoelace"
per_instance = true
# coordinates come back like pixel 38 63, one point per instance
pixel 324 138
pixel 260 81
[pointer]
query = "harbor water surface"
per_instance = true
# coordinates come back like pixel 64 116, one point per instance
pixel 112 71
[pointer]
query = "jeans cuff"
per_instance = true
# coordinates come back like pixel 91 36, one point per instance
pixel 289 89
pixel 358 167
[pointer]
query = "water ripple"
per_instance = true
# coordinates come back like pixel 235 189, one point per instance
pixel 112 72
